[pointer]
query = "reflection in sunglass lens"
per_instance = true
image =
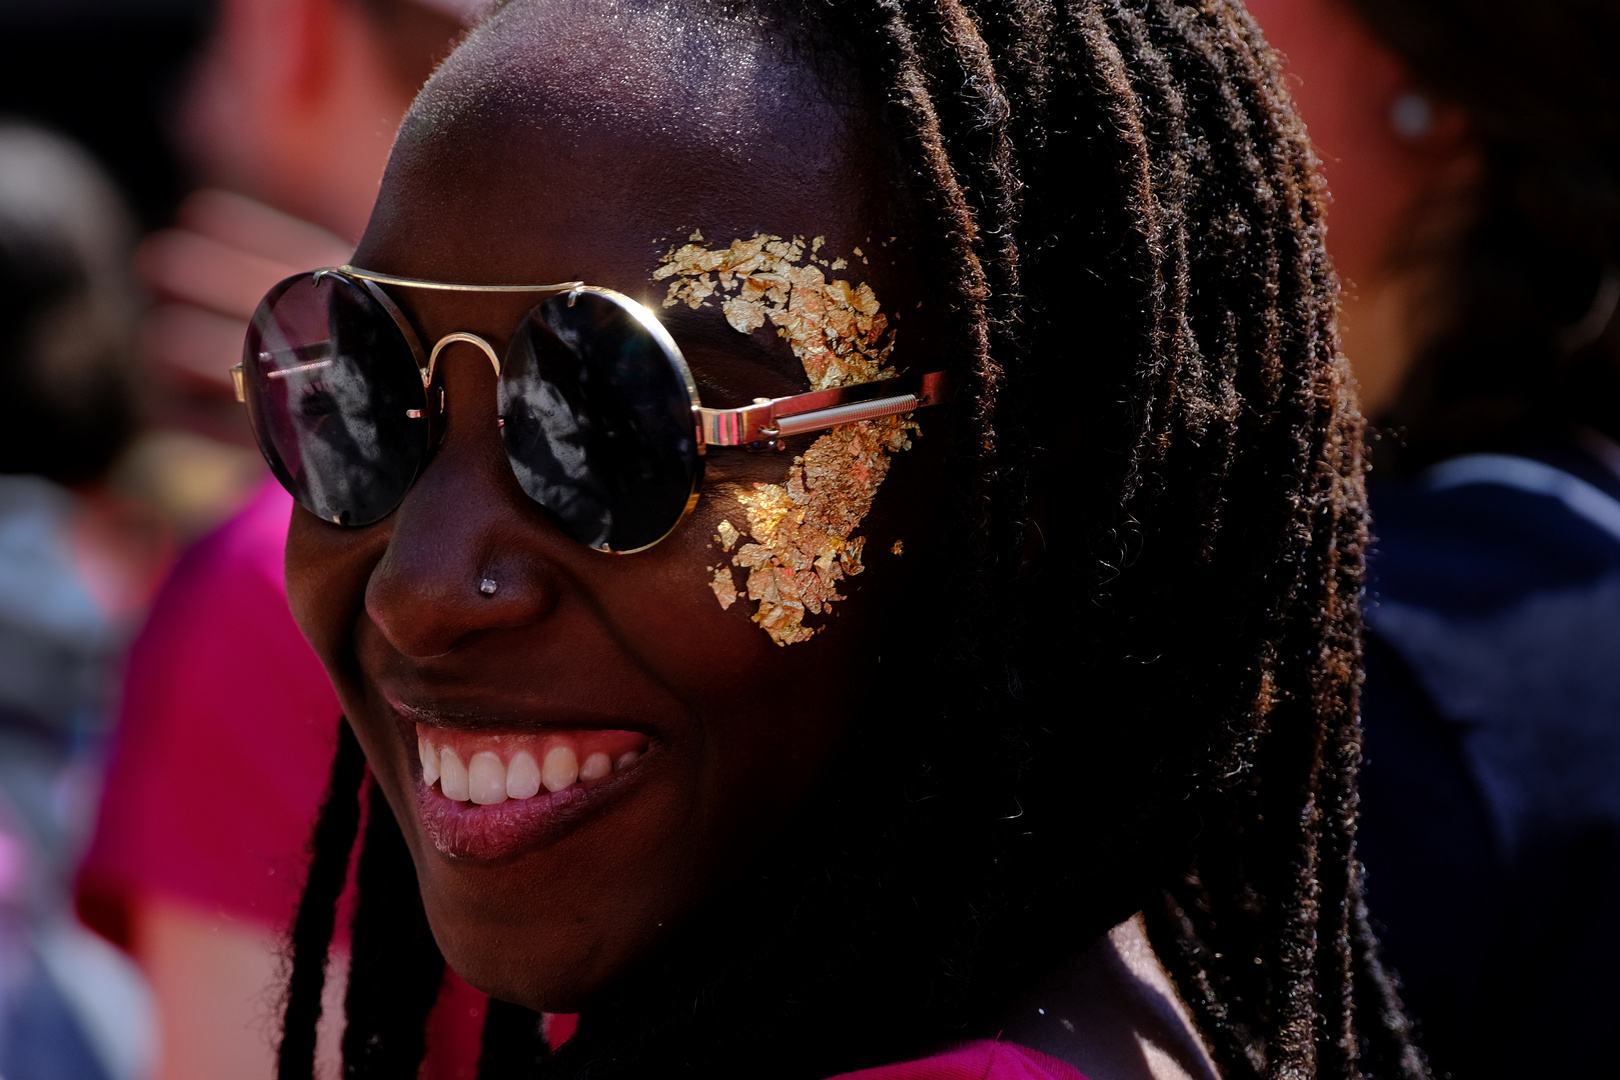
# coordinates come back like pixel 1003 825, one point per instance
pixel 597 418
pixel 335 398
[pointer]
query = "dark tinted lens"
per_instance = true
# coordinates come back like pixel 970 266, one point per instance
pixel 330 381
pixel 597 419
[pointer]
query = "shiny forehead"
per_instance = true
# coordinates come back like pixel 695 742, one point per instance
pixel 669 71
pixel 573 127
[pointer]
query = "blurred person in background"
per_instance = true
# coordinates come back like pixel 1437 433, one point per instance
pixel 138 47
pixel 227 720
pixel 1473 148
pixel 76 567
pixel 286 120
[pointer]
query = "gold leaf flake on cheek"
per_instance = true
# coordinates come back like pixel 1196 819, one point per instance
pixel 803 529
pixel 724 586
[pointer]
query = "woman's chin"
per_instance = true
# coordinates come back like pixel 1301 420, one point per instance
pixel 559 975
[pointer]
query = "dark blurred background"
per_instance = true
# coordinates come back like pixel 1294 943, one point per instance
pixel 105 73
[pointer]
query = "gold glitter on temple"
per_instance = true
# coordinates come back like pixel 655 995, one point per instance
pixel 834 328
pixel 803 530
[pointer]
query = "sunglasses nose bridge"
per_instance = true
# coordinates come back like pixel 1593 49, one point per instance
pixel 461 336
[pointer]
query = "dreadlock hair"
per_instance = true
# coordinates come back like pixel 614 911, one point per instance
pixel 1526 346
pixel 1147 700
pixel 330 847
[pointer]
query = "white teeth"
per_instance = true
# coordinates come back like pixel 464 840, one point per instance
pixel 561 768
pixel 522 776
pixel 486 779
pixel 430 762
pixel 453 776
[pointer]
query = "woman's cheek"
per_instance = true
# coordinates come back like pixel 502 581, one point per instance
pixel 802 531
pixel 327 569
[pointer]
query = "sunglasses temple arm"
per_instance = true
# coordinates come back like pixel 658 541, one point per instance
pixel 821 419
pixel 765 421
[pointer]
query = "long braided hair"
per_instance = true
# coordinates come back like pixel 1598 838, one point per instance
pixel 1148 700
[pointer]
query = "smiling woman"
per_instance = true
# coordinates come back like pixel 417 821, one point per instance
pixel 1033 295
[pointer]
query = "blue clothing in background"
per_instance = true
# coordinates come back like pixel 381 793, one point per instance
pixel 1491 789
pixel 71 1006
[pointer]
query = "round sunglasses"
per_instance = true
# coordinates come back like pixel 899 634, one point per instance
pixel 598 411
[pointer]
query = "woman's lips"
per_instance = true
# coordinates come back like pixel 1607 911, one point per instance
pixel 487 794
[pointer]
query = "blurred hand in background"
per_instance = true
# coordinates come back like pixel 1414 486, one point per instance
pixel 208 274
pixel 286 120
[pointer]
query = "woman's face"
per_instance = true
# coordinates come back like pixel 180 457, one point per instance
pixel 677 732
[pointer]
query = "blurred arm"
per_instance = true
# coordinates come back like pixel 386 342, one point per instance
pixel 217 983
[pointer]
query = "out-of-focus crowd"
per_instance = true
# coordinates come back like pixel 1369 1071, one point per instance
pixel 164 731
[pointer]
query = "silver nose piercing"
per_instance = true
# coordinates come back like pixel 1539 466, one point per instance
pixel 487 586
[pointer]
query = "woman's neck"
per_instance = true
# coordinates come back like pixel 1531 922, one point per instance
pixel 1113 1013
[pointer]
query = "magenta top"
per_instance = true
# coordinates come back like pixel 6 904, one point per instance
pixel 983 1060
pixel 225 735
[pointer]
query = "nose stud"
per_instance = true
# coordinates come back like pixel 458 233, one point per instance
pixel 487 586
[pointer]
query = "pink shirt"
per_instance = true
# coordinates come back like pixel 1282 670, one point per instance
pixel 983 1060
pixel 226 731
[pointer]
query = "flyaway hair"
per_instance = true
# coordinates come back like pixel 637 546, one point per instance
pixel 1150 701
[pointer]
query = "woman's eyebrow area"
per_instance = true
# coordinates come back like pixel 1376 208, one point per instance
pixel 707 329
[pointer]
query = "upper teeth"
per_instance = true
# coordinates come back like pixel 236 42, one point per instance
pixel 487 778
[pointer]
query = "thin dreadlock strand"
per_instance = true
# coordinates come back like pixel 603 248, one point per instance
pixel 978 112
pixel 1340 627
pixel 1103 21
pixel 1293 1050
pixel 1231 1043
pixel 395 968
pixel 1391 1048
pixel 978 115
pixel 1337 977
pixel 513 1046
pixel 1163 120
pixel 1216 73
pixel 330 847
pixel 1105 88
pixel 958 228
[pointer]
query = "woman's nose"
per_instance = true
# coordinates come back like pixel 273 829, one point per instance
pixel 465 551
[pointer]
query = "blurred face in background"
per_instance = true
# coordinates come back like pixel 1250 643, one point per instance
pixel 286 119
pixel 295 102
pixel 1399 166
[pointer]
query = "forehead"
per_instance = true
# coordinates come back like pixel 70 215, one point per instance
pixel 583 141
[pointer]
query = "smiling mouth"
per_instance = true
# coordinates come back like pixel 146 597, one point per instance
pixel 484 794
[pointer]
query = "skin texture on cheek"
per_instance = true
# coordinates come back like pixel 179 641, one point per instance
pixel 803 529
